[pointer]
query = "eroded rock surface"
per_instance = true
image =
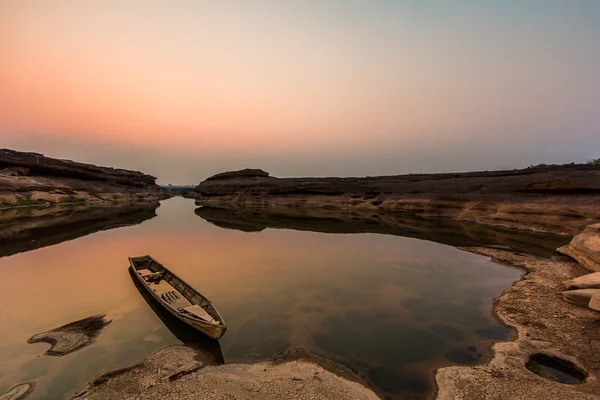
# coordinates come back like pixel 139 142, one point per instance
pixel 545 325
pixel 175 373
pixel 71 337
pixel 31 179
pixel 554 199
pixel 579 297
pixel 19 392
pixel 595 301
pixel 585 247
pixel 589 281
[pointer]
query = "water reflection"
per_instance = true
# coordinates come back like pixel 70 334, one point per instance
pixel 26 229
pixel 441 230
pixel 393 309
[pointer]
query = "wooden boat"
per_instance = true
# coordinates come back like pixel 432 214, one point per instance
pixel 177 297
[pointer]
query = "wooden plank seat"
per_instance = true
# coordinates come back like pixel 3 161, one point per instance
pixel 199 312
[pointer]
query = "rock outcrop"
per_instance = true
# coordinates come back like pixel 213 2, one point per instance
pixel 561 199
pixel 31 179
pixel 19 392
pixel 175 373
pixel 73 336
pixel 545 325
pixel 589 281
pixel 595 301
pixel 579 297
pixel 585 247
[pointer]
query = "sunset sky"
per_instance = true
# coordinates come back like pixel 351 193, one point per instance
pixel 185 89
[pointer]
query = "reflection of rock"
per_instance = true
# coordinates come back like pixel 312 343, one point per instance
pixel 174 372
pixel 585 248
pixel 24 229
pixel 31 179
pixel 559 199
pixel 441 230
pixel 208 350
pixel 19 392
pixel 71 337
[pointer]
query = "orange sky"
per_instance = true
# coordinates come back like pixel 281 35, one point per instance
pixel 290 84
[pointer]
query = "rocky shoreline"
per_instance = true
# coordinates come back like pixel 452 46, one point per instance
pixel 175 373
pixel 545 325
pixel 560 199
pixel 557 200
pixel 522 216
pixel 45 201
pixel 33 180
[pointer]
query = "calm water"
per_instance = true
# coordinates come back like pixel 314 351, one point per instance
pixel 393 309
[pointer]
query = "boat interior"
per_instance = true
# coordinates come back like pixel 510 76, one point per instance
pixel 175 293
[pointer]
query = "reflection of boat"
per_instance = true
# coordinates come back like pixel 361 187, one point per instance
pixel 208 348
pixel 177 297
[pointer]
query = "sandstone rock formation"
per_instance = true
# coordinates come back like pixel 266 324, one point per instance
pixel 545 325
pixel 585 247
pixel 175 373
pixel 579 297
pixel 31 179
pixel 71 337
pixel 560 199
pixel 595 301
pixel 19 392
pixel 589 281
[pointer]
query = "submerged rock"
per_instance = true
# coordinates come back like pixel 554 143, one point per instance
pixel 585 248
pixel 19 392
pixel 174 372
pixel 71 337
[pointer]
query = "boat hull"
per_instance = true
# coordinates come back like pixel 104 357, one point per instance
pixel 210 330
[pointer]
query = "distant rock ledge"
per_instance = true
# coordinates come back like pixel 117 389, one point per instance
pixel 243 173
pixel 32 179
pixel 556 199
